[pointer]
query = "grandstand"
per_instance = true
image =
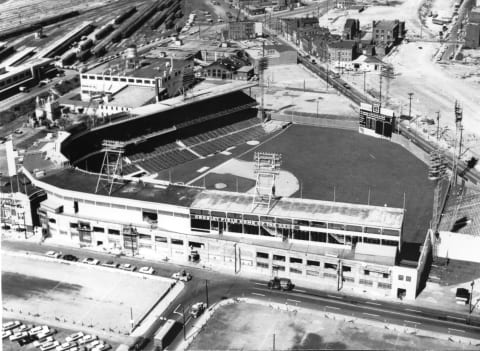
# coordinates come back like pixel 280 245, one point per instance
pixel 200 145
pixel 217 122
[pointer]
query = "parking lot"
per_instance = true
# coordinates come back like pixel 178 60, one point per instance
pixel 92 297
pixel 54 337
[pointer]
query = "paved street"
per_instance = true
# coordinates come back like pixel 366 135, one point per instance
pixel 221 286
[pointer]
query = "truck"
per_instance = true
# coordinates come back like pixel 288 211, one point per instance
pixel 197 309
pixel 280 284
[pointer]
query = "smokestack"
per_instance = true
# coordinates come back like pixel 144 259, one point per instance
pixel 12 168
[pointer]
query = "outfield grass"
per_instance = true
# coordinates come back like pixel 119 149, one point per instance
pixel 347 164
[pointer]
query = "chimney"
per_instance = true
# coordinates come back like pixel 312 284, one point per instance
pixel 11 166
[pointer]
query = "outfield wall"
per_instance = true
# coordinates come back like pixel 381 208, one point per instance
pixel 317 122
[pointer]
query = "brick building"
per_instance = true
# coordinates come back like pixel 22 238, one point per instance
pixel 387 32
pixel 342 51
pixel 351 30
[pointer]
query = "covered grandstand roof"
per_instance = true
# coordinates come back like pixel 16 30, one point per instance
pixel 79 181
pixel 180 195
pixel 339 212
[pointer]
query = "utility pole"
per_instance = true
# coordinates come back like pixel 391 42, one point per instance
pixel 364 84
pixel 410 105
pixel 206 290
pixel 380 98
pixel 183 315
pixel 471 297
pixel 273 346
pixel 131 317
pixel 438 125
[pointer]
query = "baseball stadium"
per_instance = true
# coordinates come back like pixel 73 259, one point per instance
pixel 203 178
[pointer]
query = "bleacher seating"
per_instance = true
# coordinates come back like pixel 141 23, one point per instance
pixel 201 139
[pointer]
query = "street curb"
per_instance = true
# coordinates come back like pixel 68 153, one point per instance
pixel 80 264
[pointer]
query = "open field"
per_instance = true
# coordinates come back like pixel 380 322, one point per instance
pixel 76 295
pixel 345 164
pixel 251 327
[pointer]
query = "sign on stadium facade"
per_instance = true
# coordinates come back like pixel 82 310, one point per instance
pixel 376 121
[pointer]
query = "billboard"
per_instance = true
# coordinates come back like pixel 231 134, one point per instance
pixel 376 121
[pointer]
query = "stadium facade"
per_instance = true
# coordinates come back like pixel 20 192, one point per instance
pixel 350 245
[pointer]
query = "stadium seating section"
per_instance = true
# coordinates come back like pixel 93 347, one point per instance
pixel 166 139
pixel 203 144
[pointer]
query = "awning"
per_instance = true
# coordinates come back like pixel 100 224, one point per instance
pixel 52 205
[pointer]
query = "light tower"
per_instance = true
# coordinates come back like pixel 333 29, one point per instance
pixel 111 169
pixel 267 168
pixel 262 67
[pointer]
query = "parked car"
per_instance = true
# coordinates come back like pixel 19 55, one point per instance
pixel 92 345
pixel 53 254
pixel 102 347
pixel 280 284
pixel 127 267
pixel 86 339
pixel 183 275
pixel 90 260
pixel 17 336
pixel 70 258
pixel 49 346
pixel 23 328
pixel 46 333
pixel 39 343
pixel 38 330
pixel 66 346
pixel 10 325
pixel 74 337
pixel 146 270
pixel 110 264
pixel 197 309
pixel 6 333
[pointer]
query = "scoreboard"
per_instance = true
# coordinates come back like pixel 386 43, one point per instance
pixel 376 121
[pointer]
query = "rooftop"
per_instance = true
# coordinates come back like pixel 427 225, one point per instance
pixel 302 209
pixel 79 181
pixel 344 44
pixel 132 96
pixel 148 67
pixel 385 24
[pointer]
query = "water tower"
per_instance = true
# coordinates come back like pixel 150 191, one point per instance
pixel 131 57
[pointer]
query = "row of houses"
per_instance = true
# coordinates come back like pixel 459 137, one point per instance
pixel 320 42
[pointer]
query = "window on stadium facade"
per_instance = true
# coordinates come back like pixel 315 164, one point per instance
pixel 301 234
pixel 336 239
pixel 389 242
pixel 235 227
pixel 371 240
pixel 318 237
